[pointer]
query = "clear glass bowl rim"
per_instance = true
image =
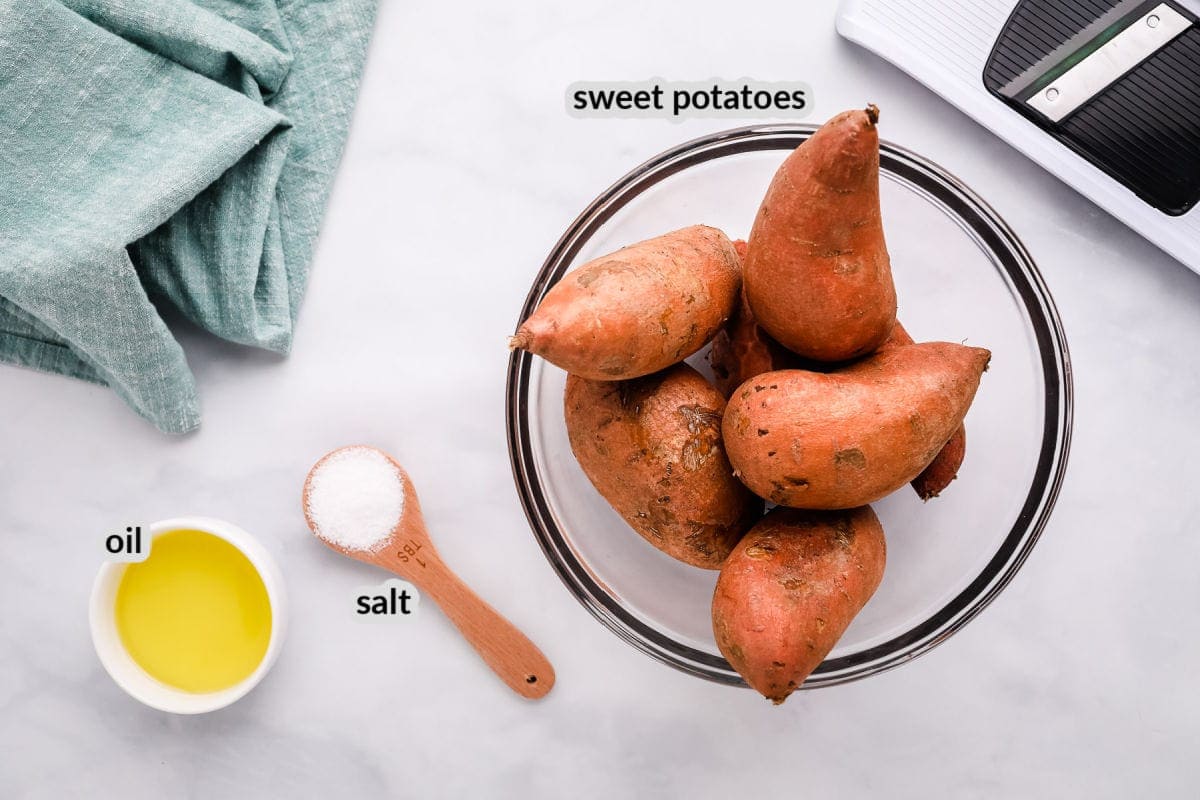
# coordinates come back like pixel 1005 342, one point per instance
pixel 978 219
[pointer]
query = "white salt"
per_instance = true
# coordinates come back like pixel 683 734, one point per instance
pixel 356 498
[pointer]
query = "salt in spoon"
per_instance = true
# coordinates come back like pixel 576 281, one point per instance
pixel 408 552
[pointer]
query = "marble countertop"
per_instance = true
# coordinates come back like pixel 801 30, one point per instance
pixel 461 171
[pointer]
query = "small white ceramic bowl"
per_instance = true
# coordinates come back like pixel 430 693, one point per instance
pixel 131 677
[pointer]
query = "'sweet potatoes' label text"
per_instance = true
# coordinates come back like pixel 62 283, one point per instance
pixel 681 99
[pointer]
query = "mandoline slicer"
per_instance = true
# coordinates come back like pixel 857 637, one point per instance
pixel 1105 94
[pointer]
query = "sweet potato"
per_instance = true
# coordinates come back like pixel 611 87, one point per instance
pixel 849 437
pixel 817 271
pixel 638 310
pixel 652 448
pixel 934 479
pixel 789 590
pixel 742 349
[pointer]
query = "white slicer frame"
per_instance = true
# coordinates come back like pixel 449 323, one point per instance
pixel 946 45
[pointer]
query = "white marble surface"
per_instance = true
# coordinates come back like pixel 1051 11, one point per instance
pixel 461 171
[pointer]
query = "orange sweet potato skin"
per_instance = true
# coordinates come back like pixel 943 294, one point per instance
pixel 849 437
pixel 817 271
pixel 742 349
pixel 638 310
pixel 934 479
pixel 652 447
pixel 789 590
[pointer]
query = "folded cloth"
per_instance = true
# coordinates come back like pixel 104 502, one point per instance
pixel 170 152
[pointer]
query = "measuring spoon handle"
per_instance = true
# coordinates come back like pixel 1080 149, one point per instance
pixel 506 650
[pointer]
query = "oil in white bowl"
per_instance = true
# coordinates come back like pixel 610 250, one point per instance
pixel 195 615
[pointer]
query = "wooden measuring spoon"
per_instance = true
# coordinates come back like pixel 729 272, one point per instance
pixel 408 552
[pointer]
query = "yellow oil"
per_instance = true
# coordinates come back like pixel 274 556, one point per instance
pixel 195 614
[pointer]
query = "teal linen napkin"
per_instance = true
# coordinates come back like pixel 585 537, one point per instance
pixel 164 152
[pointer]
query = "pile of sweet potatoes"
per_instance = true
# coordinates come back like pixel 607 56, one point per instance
pixel 822 402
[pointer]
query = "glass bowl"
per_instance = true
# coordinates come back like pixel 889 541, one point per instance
pixel 961 275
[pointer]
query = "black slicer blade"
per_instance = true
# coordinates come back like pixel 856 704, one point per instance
pixel 1117 81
